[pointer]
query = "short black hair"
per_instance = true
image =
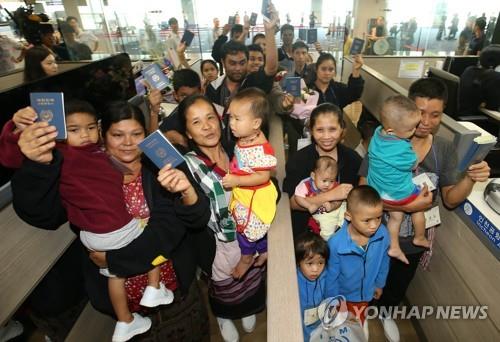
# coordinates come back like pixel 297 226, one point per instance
pixel 258 98
pixel 481 23
pixel 232 48
pixel 186 78
pixel 308 244
pixel 255 47
pixel 172 20
pixel 490 56
pixel 286 27
pixel 431 88
pixel 65 28
pixel 79 106
pixel 257 36
pixel 237 28
pixel 365 195
pixel 395 109
pixel 70 17
pixel 299 45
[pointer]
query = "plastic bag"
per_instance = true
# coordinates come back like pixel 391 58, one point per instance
pixel 337 324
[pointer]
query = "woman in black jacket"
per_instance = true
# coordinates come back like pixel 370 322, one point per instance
pixel 175 217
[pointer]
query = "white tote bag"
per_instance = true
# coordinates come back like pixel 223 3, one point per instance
pixel 337 324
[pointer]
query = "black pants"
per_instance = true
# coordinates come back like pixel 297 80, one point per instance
pixel 399 278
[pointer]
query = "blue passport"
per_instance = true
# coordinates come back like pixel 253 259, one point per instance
pixel 161 152
pixel 155 77
pixel 312 36
pixel 140 88
pixel 50 108
pixel 265 11
pixel 292 86
pixel 303 34
pixel 357 46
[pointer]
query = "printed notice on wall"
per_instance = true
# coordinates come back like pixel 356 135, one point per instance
pixel 411 69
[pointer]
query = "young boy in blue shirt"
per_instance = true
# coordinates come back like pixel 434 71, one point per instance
pixel 358 262
pixel 391 160
pixel 311 255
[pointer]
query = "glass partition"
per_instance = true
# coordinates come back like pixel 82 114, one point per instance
pixel 434 28
pixel 142 29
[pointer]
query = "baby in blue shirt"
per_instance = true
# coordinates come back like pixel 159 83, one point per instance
pixel 391 160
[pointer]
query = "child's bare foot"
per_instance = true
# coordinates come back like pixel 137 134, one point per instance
pixel 422 242
pixel 242 267
pixel 261 259
pixel 398 254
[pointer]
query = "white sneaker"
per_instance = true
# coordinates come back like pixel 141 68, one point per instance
pixel 228 330
pixel 248 323
pixel 366 331
pixel 391 330
pixel 10 330
pixel 153 297
pixel 125 331
pixel 105 272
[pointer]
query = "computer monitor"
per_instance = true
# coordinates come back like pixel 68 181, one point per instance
pixel 457 64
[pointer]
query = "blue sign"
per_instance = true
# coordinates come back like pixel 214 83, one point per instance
pixel 487 228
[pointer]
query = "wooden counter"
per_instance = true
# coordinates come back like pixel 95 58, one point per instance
pixel 26 255
pixel 463 271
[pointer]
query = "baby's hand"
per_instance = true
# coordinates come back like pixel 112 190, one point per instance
pixel 24 117
pixel 230 181
pixel 328 206
pixel 343 190
pixel 312 208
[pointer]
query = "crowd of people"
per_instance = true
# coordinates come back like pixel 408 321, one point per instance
pixel 146 233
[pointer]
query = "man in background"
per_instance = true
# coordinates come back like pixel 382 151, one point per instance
pixel 84 37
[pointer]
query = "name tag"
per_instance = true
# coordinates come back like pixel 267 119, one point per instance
pixel 432 217
pixel 311 316
pixel 422 179
pixel 303 142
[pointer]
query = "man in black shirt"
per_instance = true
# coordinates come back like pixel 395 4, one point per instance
pixel 478 40
pixel 287 35
pixel 234 58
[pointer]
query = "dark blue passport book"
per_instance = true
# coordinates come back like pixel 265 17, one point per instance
pixel 265 11
pixel 155 77
pixel 292 86
pixel 357 46
pixel 312 36
pixel 50 108
pixel 161 152
pixel 303 34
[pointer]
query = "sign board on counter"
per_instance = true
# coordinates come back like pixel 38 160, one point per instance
pixel 411 69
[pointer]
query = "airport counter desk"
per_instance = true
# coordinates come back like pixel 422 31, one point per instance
pixel 465 265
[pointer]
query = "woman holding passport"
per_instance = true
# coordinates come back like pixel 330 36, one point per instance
pixel 329 90
pixel 208 160
pixel 438 161
pixel 122 128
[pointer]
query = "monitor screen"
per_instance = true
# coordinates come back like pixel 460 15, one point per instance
pixel 457 64
pixel 98 82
